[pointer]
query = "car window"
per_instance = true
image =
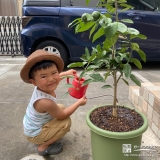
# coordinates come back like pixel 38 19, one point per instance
pixel 157 5
pixel 145 5
pixel 150 2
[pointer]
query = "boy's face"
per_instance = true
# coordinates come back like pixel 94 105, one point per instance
pixel 46 80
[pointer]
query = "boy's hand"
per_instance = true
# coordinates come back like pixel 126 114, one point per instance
pixel 82 101
pixel 71 72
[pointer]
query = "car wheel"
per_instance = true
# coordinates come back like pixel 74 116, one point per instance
pixel 55 48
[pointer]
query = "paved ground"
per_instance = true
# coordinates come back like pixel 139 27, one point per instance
pixel 14 97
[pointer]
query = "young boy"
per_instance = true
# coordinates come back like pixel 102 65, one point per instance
pixel 45 122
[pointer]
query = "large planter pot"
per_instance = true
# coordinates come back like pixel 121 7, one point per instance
pixel 107 145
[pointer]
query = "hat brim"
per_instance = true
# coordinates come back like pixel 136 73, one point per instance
pixel 26 68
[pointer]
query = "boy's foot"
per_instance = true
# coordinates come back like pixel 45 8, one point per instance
pixel 53 149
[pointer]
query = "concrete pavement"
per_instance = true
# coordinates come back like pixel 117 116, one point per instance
pixel 14 98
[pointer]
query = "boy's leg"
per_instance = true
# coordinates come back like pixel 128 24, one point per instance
pixel 58 128
pixel 51 132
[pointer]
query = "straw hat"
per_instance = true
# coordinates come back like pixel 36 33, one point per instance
pixel 38 56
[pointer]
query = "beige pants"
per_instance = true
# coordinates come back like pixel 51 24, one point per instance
pixel 53 129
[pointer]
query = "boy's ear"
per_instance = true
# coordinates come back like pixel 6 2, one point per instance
pixel 33 82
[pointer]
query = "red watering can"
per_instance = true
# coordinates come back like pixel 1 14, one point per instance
pixel 78 91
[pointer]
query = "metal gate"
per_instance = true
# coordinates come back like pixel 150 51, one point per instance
pixel 10 28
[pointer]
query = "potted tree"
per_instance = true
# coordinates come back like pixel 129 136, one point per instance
pixel 115 130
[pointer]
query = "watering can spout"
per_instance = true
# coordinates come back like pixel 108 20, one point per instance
pixel 77 91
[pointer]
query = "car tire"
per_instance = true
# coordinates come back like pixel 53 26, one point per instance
pixel 55 48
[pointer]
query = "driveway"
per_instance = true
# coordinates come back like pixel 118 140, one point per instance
pixel 15 95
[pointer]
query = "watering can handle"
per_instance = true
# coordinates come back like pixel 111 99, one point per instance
pixel 75 75
pixel 68 80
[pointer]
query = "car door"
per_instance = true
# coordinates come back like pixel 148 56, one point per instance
pixel 148 23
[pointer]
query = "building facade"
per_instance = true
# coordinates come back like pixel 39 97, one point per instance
pixel 10 7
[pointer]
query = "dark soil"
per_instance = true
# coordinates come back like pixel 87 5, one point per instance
pixel 127 119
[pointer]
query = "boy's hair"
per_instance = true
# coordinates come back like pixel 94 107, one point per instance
pixel 40 65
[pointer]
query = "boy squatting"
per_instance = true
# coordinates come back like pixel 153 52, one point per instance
pixel 45 122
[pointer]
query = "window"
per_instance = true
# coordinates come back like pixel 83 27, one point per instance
pixel 142 4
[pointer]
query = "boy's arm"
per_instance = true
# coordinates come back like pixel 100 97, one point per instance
pixel 45 105
pixel 68 111
pixel 71 72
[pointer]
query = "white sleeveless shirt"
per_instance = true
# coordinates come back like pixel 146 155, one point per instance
pixel 33 120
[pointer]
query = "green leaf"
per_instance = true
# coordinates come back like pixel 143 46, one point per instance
pixel 125 45
pixel 83 57
pixel 122 56
pixel 104 21
pixel 121 27
pixel 135 80
pixel 127 70
pixel 107 20
pixel 77 64
pixel 126 5
pixel 134 46
pixel 89 17
pixel 142 54
pixel 86 26
pixel 106 86
pixel 141 36
pixel 68 85
pixel 81 24
pixel 127 20
pixel 66 94
pixel 93 56
pixel 125 9
pixel 87 53
pixel 103 52
pixel 87 82
pixel 98 47
pixel 92 30
pixel 126 82
pixel 111 30
pixel 107 43
pixel 132 31
pixel 123 49
pixel 98 34
pixel 82 74
pixel 90 67
pixel 106 75
pixel 122 1
pixel 137 63
pixel 97 77
pixel 112 10
pixel 110 1
pixel 109 7
pixel 87 2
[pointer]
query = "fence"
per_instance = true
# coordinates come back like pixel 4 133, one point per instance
pixel 10 28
